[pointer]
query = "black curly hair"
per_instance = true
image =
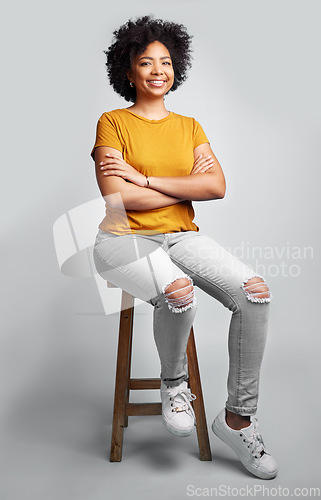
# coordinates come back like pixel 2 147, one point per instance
pixel 131 40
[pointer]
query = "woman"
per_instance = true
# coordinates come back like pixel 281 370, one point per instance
pixel 151 164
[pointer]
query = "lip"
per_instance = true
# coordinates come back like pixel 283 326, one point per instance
pixel 158 85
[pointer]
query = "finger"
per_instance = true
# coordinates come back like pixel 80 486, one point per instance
pixel 113 172
pixel 206 163
pixel 107 162
pixel 206 159
pixel 197 171
pixel 201 169
pixel 205 168
pixel 202 160
pixel 110 162
pixel 111 158
pixel 198 159
pixel 109 166
pixel 112 165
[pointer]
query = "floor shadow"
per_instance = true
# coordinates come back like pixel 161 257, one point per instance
pixel 230 464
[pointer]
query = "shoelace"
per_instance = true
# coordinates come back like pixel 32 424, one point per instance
pixel 256 443
pixel 176 400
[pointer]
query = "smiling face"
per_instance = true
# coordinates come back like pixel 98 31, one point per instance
pixel 152 71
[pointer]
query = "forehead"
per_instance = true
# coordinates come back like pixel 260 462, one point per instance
pixel 156 49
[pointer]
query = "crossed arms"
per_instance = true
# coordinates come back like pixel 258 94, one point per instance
pixel 206 181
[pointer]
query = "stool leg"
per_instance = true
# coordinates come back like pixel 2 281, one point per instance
pixel 122 375
pixel 129 366
pixel 198 404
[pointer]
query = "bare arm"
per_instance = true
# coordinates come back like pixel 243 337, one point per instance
pixel 207 181
pixel 132 196
pixel 207 185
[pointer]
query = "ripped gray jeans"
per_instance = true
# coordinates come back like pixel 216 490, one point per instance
pixel 163 269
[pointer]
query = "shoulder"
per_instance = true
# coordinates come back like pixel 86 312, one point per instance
pixel 183 118
pixel 113 115
pixel 188 122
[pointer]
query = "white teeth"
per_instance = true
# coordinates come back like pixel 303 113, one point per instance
pixel 156 82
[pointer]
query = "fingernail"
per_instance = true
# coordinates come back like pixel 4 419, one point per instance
pixel 101 168
pixel 101 163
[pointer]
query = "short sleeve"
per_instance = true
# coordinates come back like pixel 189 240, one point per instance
pixel 106 134
pixel 199 135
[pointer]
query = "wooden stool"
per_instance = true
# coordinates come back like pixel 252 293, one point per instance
pixel 124 384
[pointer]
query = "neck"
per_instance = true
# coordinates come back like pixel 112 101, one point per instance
pixel 152 109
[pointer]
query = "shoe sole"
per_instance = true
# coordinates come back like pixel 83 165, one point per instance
pixel 256 472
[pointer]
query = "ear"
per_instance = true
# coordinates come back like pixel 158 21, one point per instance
pixel 129 75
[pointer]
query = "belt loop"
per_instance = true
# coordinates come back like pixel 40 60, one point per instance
pixel 165 243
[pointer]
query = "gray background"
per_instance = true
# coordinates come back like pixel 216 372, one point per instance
pixel 254 87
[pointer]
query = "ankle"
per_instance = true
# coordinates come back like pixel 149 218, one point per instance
pixel 236 421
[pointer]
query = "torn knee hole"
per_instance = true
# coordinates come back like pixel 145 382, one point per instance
pixel 179 294
pixel 256 289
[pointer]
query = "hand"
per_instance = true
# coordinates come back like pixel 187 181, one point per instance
pixel 202 164
pixel 114 165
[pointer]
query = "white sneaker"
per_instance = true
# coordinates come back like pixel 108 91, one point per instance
pixel 248 445
pixel 177 412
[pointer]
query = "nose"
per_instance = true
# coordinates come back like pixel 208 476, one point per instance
pixel 157 69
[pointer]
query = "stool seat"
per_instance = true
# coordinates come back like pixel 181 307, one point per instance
pixel 124 384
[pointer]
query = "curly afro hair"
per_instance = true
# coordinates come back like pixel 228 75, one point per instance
pixel 132 39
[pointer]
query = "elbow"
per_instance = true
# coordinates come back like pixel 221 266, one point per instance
pixel 222 189
pixel 216 187
pixel 219 191
pixel 212 195
pixel 218 196
pixel 221 194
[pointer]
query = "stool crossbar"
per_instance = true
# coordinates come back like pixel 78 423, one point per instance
pixel 124 384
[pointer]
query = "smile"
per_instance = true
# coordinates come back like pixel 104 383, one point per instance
pixel 156 83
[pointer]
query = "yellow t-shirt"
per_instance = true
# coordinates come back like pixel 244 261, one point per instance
pixel 155 148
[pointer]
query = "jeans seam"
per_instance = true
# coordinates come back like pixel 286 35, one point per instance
pixel 121 269
pixel 105 261
pixel 211 283
pixel 239 359
pixel 238 371
pixel 223 286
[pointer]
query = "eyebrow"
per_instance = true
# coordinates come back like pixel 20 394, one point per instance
pixel 151 58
